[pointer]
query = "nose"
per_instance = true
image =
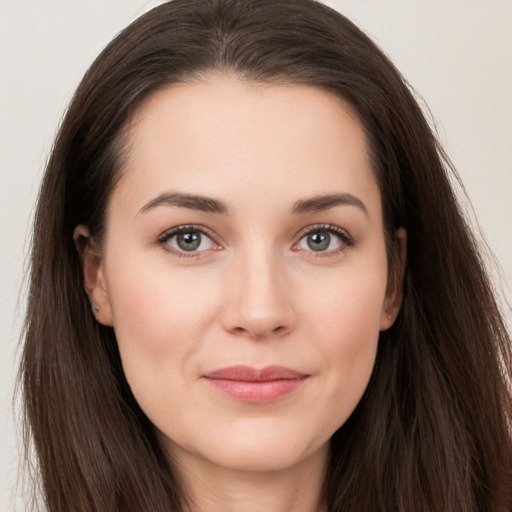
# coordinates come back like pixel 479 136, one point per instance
pixel 259 297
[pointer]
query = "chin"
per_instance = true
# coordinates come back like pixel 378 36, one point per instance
pixel 252 450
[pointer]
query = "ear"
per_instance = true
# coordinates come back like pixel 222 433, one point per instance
pixel 394 290
pixel 94 278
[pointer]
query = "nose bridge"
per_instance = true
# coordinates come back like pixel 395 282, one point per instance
pixel 259 302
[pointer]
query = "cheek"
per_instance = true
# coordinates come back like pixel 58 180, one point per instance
pixel 347 334
pixel 159 318
pixel 151 304
pixel 348 308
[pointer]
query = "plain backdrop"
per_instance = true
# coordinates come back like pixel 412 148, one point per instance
pixel 457 54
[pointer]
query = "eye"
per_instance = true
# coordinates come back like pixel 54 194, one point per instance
pixel 325 239
pixel 187 239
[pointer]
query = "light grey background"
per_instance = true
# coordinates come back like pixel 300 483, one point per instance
pixel 456 53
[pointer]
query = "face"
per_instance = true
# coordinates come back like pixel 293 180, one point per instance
pixel 244 270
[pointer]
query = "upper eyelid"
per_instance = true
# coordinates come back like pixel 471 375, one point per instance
pixel 326 227
pixel 184 227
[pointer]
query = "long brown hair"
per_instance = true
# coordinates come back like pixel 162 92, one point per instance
pixel 433 430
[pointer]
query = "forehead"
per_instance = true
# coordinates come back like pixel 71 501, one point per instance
pixel 224 136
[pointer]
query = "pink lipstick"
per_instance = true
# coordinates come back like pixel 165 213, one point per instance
pixel 253 385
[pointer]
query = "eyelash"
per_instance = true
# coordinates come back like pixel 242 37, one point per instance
pixel 347 241
pixel 163 239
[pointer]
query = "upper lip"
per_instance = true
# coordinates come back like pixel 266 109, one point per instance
pixel 249 374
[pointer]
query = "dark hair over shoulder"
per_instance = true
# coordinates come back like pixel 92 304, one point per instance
pixel 433 430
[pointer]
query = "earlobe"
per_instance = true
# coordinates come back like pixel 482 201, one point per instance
pixel 93 274
pixel 394 291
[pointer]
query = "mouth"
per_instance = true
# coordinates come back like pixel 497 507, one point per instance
pixel 252 385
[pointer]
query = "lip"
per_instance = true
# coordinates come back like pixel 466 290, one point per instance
pixel 252 385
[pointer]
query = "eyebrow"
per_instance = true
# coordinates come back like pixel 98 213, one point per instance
pixel 210 205
pixel 325 202
pixel 191 201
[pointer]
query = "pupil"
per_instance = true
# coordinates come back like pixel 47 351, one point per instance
pixel 189 241
pixel 319 241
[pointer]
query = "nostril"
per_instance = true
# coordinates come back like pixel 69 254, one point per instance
pixel 260 332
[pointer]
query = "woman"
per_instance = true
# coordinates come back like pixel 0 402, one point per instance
pixel 252 287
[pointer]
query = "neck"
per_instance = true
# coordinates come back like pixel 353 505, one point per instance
pixel 215 489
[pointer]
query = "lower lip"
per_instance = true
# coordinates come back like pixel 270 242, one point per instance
pixel 259 391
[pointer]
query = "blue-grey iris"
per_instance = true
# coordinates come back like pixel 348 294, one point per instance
pixel 319 240
pixel 188 241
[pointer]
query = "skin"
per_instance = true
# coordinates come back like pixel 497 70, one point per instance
pixel 255 293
